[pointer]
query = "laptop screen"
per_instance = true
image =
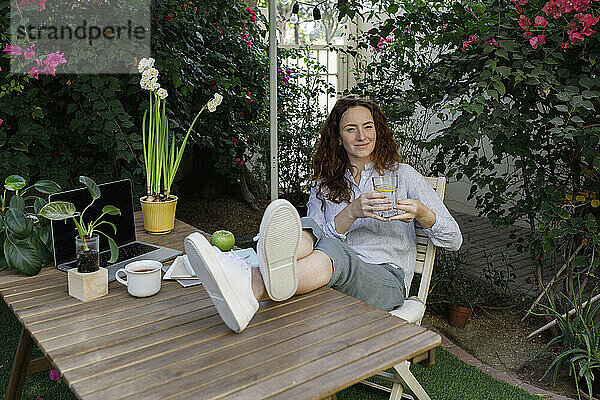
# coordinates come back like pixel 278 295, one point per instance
pixel 117 194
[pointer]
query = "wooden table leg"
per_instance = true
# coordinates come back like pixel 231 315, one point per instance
pixel 20 366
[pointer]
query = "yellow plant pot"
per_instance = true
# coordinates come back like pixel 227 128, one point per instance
pixel 159 217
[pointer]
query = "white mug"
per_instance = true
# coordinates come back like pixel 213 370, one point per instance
pixel 143 277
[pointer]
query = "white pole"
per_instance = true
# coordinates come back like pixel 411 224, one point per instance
pixel 273 97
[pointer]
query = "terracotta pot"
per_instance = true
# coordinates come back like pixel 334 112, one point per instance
pixel 159 216
pixel 458 315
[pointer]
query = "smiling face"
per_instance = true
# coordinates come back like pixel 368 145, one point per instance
pixel 357 135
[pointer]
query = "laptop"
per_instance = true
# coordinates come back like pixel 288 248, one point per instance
pixel 118 194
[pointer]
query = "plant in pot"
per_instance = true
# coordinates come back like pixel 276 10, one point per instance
pixel 25 238
pixel 450 284
pixel 161 157
pixel 580 341
pixel 87 243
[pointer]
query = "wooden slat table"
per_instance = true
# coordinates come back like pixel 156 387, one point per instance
pixel 173 345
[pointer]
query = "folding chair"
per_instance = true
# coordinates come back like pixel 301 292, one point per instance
pixel 413 310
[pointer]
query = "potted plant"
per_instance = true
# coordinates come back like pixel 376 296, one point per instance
pixel 580 340
pixel 89 281
pixel 25 239
pixel 86 241
pixel 161 157
pixel 450 284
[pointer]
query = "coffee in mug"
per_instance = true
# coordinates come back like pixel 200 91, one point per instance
pixel 143 277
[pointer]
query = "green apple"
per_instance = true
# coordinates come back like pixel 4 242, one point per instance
pixel 224 240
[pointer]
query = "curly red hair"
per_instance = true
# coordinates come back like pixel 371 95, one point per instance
pixel 330 160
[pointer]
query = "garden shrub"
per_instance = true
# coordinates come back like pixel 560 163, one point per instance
pixel 64 126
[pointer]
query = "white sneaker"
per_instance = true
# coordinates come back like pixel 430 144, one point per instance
pixel 227 279
pixel 277 248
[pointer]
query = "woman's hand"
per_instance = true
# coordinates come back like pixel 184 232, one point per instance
pixel 367 204
pixel 413 209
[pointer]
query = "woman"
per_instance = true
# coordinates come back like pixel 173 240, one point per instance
pixel 372 257
pixel 342 243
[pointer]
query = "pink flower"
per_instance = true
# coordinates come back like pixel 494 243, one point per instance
pixel 29 53
pixel 492 42
pixel 527 34
pixel 13 50
pixel 169 18
pixel 537 40
pixel 564 45
pixel 540 21
pixel 235 141
pixel 522 2
pixel 589 20
pixel 53 59
pixel 239 162
pixel 550 8
pixel 574 36
pixel 35 72
pixel 40 3
pixel 587 31
pixel 524 22
pixel 54 375
pixel 1 121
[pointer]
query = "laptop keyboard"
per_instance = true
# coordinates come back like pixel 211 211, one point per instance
pixel 126 252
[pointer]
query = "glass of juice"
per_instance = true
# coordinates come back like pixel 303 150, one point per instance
pixel 389 185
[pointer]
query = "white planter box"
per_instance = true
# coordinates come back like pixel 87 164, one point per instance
pixel 89 286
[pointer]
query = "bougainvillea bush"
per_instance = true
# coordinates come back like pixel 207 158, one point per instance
pixel 60 127
pixel 520 80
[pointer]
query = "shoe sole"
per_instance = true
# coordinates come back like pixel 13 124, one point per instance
pixel 281 229
pixel 210 272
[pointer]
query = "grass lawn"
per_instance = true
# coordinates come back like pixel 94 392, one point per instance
pixel 448 379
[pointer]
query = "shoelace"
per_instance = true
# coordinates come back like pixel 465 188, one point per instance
pixel 233 257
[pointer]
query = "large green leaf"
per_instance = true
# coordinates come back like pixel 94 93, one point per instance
pixel 114 249
pixel 38 203
pixel 40 246
pixel 22 256
pixel 46 237
pixel 58 210
pixel 17 203
pixel 3 263
pixel 111 210
pixel 14 182
pixel 47 186
pixel 91 185
pixel 18 223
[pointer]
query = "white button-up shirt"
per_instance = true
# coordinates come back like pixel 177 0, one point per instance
pixel 393 242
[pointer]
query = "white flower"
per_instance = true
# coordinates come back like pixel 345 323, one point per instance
pixel 162 93
pixel 212 106
pixel 150 62
pixel 154 85
pixel 153 72
pixel 149 74
pixel 218 99
pixel 145 84
pixel 145 63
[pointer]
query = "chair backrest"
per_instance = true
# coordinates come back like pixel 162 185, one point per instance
pixel 425 248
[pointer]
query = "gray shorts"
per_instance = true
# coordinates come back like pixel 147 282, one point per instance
pixel 380 285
